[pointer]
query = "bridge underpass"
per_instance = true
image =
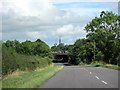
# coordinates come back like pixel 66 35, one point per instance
pixel 61 57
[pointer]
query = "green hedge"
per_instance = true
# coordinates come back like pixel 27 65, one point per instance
pixel 11 61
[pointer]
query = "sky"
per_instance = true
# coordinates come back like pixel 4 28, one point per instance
pixel 50 19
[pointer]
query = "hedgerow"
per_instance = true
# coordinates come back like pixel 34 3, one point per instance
pixel 12 60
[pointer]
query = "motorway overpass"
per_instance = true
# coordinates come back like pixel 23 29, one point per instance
pixel 60 57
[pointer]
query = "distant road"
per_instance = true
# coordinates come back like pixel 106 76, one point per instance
pixel 83 77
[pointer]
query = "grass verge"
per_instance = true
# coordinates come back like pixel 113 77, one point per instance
pixel 116 67
pixel 32 79
pixel 102 64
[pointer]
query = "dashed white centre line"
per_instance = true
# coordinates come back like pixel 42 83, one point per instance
pixel 104 82
pixel 97 77
pixel 90 72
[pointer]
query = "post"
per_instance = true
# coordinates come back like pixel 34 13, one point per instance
pixel 94 50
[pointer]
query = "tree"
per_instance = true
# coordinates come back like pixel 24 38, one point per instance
pixel 38 47
pixel 9 43
pixel 81 52
pixel 60 47
pixel 103 30
pixel 38 40
pixel 53 48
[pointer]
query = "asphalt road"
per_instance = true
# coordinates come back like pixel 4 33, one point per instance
pixel 83 77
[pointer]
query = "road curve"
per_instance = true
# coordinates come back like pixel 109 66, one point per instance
pixel 83 77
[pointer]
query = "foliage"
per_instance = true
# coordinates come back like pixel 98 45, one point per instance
pixel 102 64
pixel 24 56
pixel 38 48
pixel 82 51
pixel 101 43
pixel 104 31
pixel 60 47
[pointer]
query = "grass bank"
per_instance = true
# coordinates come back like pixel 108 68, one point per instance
pixel 102 64
pixel 116 67
pixel 31 79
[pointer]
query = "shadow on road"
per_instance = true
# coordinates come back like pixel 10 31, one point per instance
pixel 67 64
pixel 63 64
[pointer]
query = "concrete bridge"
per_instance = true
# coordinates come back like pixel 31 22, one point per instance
pixel 60 56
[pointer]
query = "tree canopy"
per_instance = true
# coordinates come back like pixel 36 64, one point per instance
pixel 101 42
pixel 24 56
pixel 61 47
pixel 38 48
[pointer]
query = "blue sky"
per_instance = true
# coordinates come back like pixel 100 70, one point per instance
pixel 80 5
pixel 48 19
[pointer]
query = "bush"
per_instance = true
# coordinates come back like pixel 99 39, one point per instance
pixel 37 48
pixel 11 61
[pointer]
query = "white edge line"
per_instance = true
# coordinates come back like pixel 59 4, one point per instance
pixel 104 82
pixel 97 77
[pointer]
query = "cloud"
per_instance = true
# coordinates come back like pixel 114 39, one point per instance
pixel 32 19
pixel 66 30
pixel 36 35
pixel 42 8
pixel 46 22
pixel 70 33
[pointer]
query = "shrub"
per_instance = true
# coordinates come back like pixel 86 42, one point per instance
pixel 11 61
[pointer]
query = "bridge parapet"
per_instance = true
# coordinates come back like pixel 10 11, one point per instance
pixel 60 56
pixel 60 52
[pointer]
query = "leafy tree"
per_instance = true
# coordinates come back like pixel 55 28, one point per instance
pixel 38 40
pixel 101 43
pixel 26 55
pixel 103 30
pixel 60 47
pixel 54 48
pixel 38 48
pixel 9 43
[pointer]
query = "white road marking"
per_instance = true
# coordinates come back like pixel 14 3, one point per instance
pixel 85 69
pixel 97 77
pixel 104 82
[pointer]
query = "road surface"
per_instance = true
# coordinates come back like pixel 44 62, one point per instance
pixel 83 77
